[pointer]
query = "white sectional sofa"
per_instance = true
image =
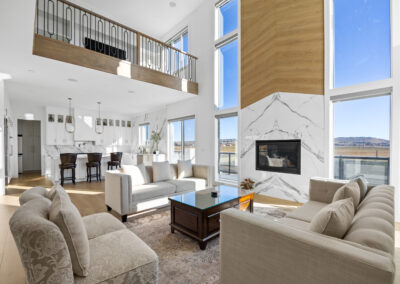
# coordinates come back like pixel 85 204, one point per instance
pixel 125 195
pixel 260 250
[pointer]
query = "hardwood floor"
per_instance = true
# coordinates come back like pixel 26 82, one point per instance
pixel 89 199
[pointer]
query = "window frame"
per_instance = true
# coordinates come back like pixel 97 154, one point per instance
pixel 386 86
pixel 234 111
pixel 170 138
pixel 147 133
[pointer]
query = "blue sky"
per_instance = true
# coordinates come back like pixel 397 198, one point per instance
pixel 363 118
pixel 362 54
pixel 362 41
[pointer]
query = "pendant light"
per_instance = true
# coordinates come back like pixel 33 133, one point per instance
pixel 99 122
pixel 70 120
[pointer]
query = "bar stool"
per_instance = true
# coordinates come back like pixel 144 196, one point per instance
pixel 94 161
pixel 68 162
pixel 115 160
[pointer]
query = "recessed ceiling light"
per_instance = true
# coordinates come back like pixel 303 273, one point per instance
pixel 31 71
pixel 172 4
pixel 72 80
pixel 131 92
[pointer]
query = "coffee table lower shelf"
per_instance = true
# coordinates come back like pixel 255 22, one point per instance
pixel 203 224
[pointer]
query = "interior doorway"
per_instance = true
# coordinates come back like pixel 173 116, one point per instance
pixel 29 146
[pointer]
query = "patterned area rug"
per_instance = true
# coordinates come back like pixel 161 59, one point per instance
pixel 180 258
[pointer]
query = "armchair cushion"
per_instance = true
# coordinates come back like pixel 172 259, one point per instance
pixel 334 219
pixel 100 224
pixel 35 192
pixel 120 257
pixel 185 169
pixel 67 217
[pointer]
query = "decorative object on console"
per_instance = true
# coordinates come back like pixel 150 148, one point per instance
pixel 155 138
pixel 69 119
pixel 282 156
pixel 99 122
pixel 247 184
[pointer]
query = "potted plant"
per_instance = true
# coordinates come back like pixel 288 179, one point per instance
pixel 155 138
pixel 247 184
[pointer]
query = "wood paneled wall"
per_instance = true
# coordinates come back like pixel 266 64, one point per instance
pixel 282 48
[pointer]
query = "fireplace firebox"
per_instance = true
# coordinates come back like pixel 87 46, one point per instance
pixel 283 156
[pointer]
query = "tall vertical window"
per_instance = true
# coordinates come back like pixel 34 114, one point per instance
pixel 144 134
pixel 362 41
pixel 228 75
pixel 362 139
pixel 226 89
pixel 182 140
pixel 179 41
pixel 227 148
pixel 227 20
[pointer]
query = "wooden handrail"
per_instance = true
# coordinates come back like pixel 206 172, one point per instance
pixel 125 27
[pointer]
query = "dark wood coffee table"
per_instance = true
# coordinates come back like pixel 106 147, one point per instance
pixel 196 214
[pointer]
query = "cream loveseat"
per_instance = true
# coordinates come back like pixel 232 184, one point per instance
pixel 259 250
pixel 125 195
pixel 114 254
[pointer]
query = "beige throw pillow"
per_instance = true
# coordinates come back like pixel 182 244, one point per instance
pixel 161 171
pixel 334 219
pixel 138 174
pixel 350 189
pixel 363 184
pixel 185 169
pixel 66 216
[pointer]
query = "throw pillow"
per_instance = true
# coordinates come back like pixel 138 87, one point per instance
pixel 363 184
pixel 334 219
pixel 66 216
pixel 161 171
pixel 138 174
pixel 185 169
pixel 350 189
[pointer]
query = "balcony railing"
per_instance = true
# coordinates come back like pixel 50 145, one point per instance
pixel 227 165
pixel 69 23
pixel 375 169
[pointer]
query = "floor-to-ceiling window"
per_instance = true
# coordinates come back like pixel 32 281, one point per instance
pixel 359 89
pixel 362 138
pixel 144 134
pixel 179 62
pixel 226 89
pixel 182 140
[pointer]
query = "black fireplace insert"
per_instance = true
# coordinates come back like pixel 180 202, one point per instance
pixel 283 156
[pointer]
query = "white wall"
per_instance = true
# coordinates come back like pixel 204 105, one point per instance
pixel 2 171
pixel 201 44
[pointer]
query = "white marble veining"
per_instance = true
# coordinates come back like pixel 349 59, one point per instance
pixel 284 116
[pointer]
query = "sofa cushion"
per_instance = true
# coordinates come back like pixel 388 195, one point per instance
pixel 34 192
pixel 100 224
pixel 363 185
pixel 349 190
pixel 67 217
pixel 138 174
pixel 334 219
pixel 303 225
pixel 373 224
pixel 152 190
pixel 185 169
pixel 120 257
pixel 307 211
pixel 161 171
pixel 188 184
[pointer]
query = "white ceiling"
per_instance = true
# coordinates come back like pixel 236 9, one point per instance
pixel 41 81
pixel 152 17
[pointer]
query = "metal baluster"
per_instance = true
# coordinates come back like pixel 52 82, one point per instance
pixel 66 22
pixel 62 21
pixel 44 17
pixel 102 35
pixel 48 21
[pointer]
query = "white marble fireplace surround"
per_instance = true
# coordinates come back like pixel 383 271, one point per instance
pixel 277 117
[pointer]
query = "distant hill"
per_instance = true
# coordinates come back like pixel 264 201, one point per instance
pixel 361 142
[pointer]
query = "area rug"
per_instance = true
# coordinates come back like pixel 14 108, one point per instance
pixel 180 258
